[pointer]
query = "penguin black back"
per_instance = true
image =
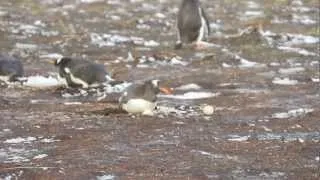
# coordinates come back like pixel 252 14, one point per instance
pixel 11 66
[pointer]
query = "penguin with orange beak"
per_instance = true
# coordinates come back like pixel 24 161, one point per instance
pixel 141 98
pixel 192 24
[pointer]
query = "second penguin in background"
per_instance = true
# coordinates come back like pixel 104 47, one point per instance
pixel 192 24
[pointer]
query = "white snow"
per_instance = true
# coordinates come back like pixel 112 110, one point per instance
pixel 302 19
pixel 49 140
pixel 315 79
pixel 151 43
pixel 90 1
pixel 177 61
pixel 72 103
pixel 247 64
pixel 26 46
pixel 238 138
pixel 40 156
pixel 191 95
pixel 252 5
pixel 297 50
pixel 291 70
pixel 253 13
pixel 292 113
pixel 105 177
pixel 39 81
pixel 284 81
pixel 296 39
pixel 20 140
pixel 191 86
pixel 116 88
pixel 51 56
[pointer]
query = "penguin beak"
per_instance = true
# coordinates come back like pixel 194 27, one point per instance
pixel 51 61
pixel 165 90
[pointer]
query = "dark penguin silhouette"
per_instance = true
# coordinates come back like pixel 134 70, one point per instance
pixel 141 98
pixel 80 72
pixel 192 23
pixel 11 67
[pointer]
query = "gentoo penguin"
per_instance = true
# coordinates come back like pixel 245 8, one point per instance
pixel 141 98
pixel 80 72
pixel 192 24
pixel 10 68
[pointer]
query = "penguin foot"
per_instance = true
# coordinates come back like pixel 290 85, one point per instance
pixel 200 45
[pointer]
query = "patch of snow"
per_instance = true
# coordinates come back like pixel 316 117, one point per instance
pixel 20 140
pixel 297 50
pixel 291 70
pixel 191 95
pixel 292 113
pixel 176 61
pixel 90 1
pixel 252 5
pixel 216 156
pixel 16 159
pixel 151 43
pixel 225 65
pixel 247 64
pixel 118 88
pixel 215 26
pixel 72 103
pixel 238 138
pixel 49 140
pixel 160 15
pixel 254 13
pixel 297 2
pixel 42 82
pixel 284 81
pixel 189 87
pixel 296 39
pixel 315 79
pixel 106 177
pixel 3 13
pixel 40 156
pixel 51 56
pixel 26 46
pixel 302 19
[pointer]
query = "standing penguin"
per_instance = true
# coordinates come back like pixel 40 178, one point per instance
pixel 10 68
pixel 80 72
pixel 141 98
pixel 192 24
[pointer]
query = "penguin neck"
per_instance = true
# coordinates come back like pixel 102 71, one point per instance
pixel 150 92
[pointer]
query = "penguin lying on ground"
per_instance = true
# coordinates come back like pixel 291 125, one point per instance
pixel 192 24
pixel 80 72
pixel 141 98
pixel 10 68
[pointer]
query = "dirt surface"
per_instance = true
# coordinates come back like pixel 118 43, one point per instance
pixel 261 75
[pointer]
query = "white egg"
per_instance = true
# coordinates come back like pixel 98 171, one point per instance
pixel 207 109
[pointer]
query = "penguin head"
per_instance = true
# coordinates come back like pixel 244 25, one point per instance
pixel 154 85
pixel 62 61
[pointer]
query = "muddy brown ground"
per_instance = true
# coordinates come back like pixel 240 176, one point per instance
pixel 82 138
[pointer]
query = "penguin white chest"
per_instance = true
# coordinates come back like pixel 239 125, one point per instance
pixel 138 106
